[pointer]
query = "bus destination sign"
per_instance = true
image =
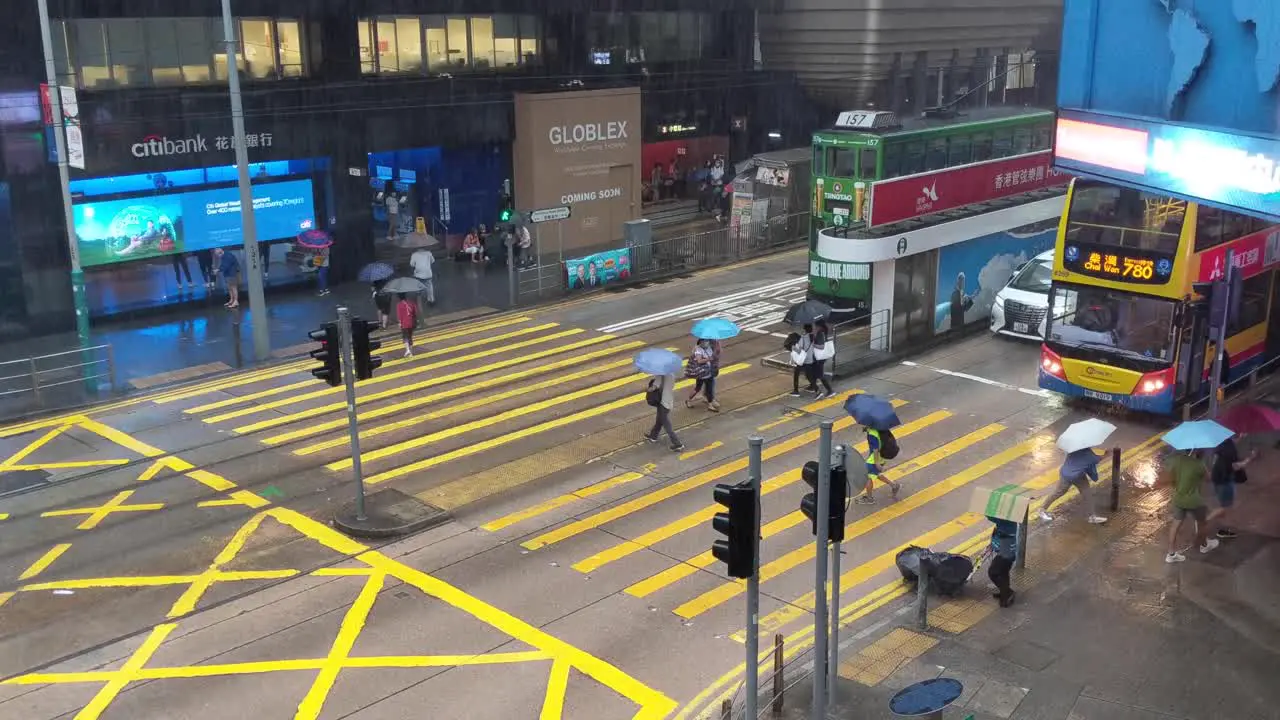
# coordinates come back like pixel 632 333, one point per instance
pixel 1125 265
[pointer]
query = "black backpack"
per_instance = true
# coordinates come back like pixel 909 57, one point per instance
pixel 653 395
pixel 888 445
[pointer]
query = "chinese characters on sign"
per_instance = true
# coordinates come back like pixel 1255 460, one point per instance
pixel 1018 178
pixel 1252 254
pixel 251 140
pixel 1118 265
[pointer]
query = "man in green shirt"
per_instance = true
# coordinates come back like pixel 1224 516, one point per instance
pixel 1186 473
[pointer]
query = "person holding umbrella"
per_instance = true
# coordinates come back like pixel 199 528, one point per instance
pixel 1228 466
pixel 660 391
pixel 1080 468
pixel 877 417
pixel 704 362
pixel 1185 472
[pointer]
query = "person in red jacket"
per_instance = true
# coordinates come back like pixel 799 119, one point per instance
pixel 407 314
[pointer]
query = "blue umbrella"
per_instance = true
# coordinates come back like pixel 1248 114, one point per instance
pixel 715 329
pixel 373 272
pixel 658 361
pixel 1196 435
pixel 871 411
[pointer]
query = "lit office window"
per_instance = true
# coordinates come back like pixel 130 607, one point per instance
pixel 368 65
pixel 437 48
pixel 162 50
pixel 506 41
pixel 289 37
pixel 530 38
pixel 91 52
pixel 61 49
pixel 482 42
pixel 258 43
pixel 409 44
pixel 128 52
pixel 459 49
pixel 388 53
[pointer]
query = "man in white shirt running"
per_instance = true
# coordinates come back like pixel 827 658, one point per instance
pixel 422 261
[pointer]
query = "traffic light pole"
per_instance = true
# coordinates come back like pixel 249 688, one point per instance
pixel 353 423
pixel 753 584
pixel 1220 337
pixel 820 577
pixel 834 664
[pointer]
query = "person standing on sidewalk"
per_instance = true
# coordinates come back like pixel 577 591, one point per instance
pixel 1186 473
pixel 407 314
pixel 823 350
pixel 1004 550
pixel 1228 469
pixel 422 262
pixel 229 269
pixel 660 394
pixel 1078 471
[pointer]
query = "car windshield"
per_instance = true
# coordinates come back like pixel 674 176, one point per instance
pixel 1035 277
pixel 1128 324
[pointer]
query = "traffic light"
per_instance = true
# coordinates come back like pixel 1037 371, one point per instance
pixel 362 348
pixel 836 509
pixel 1221 299
pixel 508 209
pixel 739 526
pixel 329 354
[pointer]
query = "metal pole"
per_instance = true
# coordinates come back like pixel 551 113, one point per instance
pixel 1115 479
pixel 78 296
pixel 248 224
pixel 35 380
pixel 511 269
pixel 1220 337
pixel 753 584
pixel 833 667
pixel 779 686
pixel 560 239
pixel 353 422
pixel 820 576
pixel 1024 532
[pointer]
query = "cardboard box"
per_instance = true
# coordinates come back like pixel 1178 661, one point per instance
pixel 1008 502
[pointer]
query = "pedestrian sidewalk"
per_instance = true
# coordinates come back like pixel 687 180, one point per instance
pixel 1103 628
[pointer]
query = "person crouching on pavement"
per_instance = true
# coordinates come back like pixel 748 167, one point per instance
pixel 1004 550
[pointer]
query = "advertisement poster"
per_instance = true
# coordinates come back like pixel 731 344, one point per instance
pixel 972 272
pixel 116 231
pixel 599 269
pixel 917 195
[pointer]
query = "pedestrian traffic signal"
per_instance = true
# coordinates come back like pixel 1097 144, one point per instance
pixel 740 526
pixel 507 210
pixel 838 500
pixel 362 348
pixel 329 354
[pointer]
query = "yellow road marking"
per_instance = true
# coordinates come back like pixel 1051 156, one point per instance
pixel 4 597
pixel 66 465
pixel 557 684
pixel 4 516
pixel 343 572
pixel 201 584
pixel 124 440
pixel 136 581
pixel 920 498
pixel 238 497
pixel 695 453
pixel 297 365
pixel 480 402
pixel 117 683
pixel 709 476
pixel 366 415
pixel 40 442
pixel 352 624
pixel 96 515
pixel 558 502
pixel 419 370
pixel 45 561
pixel 814 407
pixel 677 572
pixel 515 435
pixel 704 515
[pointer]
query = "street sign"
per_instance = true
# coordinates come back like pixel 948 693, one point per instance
pixel 549 214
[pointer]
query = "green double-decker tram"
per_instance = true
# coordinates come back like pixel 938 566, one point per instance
pixel 864 147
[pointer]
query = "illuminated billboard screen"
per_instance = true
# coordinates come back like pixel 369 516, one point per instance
pixel 1226 169
pixel 116 231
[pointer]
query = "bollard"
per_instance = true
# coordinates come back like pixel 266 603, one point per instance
pixel 726 709
pixel 922 592
pixel 1115 479
pixel 778 687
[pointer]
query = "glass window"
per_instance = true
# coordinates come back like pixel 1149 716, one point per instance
pixel 128 52
pixel 365 37
pixel 482 46
pixel 892 161
pixel 388 60
pixel 1138 326
pixel 982 148
pixel 690 36
pixel 960 151
pixel 935 157
pixel 913 159
pixel 1002 144
pixel 840 162
pixel 818 156
pixel 1235 225
pixel 198 43
pixel 409 44
pixel 163 49
pixel 1044 138
pixel 289 35
pixel 459 47
pixel 506 41
pixel 437 48
pixel 1021 141
pixel 61 49
pixel 530 38
pixel 867 164
pixel 1253 302
pixel 220 53
pixel 258 43
pixel 1208 227
pixel 1121 217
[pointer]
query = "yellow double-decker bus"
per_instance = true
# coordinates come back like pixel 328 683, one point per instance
pixel 1125 323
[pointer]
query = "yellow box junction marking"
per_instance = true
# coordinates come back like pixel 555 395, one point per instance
pixel 920 498
pixel 559 502
pixel 703 517
pixel 678 572
pixel 515 435
pixel 560 657
pixel 701 451
pixel 45 561
pixel 95 515
pixel 305 384
pixel 814 407
pixel 375 413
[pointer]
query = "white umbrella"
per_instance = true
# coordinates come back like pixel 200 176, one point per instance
pixel 1085 434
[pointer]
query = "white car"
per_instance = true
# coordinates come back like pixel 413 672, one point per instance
pixel 1020 308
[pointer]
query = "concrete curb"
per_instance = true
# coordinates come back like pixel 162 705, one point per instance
pixel 389 513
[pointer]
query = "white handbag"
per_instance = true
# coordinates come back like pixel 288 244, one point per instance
pixel 826 352
pixel 798 355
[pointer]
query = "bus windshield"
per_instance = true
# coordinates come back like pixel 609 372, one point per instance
pixel 1138 326
pixel 1122 217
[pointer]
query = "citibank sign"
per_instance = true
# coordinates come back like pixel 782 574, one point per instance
pixel 159 146
pixel 587 132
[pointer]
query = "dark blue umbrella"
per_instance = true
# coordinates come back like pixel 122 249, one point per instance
pixel 373 272
pixel 871 411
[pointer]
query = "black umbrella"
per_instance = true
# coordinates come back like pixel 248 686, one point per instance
pixel 806 312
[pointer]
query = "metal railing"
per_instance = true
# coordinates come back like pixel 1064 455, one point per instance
pixel 665 257
pixel 39 377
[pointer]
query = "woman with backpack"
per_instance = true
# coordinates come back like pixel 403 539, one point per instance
pixel 660 394
pixel 881 446
pixel 703 367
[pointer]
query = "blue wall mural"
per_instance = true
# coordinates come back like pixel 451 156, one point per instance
pixel 971 273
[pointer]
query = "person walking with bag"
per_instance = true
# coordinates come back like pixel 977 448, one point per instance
pixel 881 445
pixel 1228 471
pixel 660 394
pixel 801 347
pixel 407 314
pixel 703 367
pixel 824 349
pixel 1004 550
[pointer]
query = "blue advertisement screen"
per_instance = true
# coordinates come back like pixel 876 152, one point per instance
pixel 118 231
